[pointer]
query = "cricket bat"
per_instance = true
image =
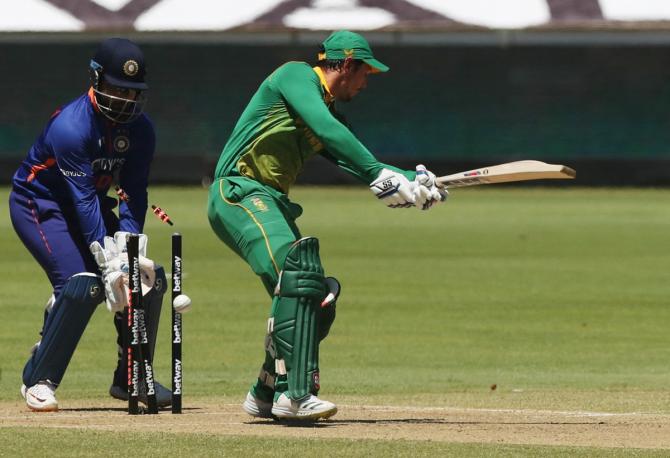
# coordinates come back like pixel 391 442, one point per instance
pixel 503 173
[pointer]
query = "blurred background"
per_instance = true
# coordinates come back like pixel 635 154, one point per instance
pixel 472 82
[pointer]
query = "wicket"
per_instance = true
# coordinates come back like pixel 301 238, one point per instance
pixel 139 364
pixel 136 351
pixel 132 375
pixel 176 324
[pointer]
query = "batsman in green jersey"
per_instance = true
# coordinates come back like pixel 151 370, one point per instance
pixel 289 119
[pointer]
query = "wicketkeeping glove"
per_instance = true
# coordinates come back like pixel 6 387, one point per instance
pixel 147 266
pixel 394 189
pixel 426 192
pixel 113 278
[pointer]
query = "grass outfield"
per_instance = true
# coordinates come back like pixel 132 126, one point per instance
pixel 73 443
pixel 558 297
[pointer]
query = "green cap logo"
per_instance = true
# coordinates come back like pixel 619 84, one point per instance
pixel 343 44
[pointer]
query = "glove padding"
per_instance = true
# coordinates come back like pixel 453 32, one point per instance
pixel 426 192
pixel 394 189
pixel 113 262
pixel 114 279
pixel 147 266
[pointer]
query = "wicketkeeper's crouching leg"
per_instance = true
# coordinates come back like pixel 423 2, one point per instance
pixel 302 312
pixel 63 327
pixel 152 302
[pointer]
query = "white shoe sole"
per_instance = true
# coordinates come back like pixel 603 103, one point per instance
pixel 253 408
pixel 38 406
pixel 284 413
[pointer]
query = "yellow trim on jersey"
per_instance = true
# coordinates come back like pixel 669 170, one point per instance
pixel 322 78
pixel 260 226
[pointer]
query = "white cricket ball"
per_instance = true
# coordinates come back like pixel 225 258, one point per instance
pixel 182 303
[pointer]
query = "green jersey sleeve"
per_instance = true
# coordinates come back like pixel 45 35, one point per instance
pixel 340 143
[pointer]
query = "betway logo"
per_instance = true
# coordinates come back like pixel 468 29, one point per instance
pixel 176 275
pixel 176 329
pixel 136 275
pixel 149 377
pixel 177 376
pixel 139 328
pixel 135 382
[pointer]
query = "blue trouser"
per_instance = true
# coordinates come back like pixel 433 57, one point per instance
pixel 57 245
pixel 52 238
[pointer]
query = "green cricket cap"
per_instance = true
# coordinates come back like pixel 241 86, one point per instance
pixel 343 44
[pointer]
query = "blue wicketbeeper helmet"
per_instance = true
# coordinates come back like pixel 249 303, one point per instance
pixel 117 74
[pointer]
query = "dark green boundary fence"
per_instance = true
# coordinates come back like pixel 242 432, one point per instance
pixel 602 109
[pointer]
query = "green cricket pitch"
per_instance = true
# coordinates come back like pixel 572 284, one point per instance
pixel 507 322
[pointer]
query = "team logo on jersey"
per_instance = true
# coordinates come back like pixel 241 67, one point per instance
pixel 130 68
pixel 121 143
pixel 259 204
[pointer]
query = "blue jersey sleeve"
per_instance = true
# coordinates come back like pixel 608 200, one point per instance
pixel 70 148
pixel 134 179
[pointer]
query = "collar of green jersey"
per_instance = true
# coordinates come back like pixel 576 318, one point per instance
pixel 322 77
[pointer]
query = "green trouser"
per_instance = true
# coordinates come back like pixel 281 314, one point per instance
pixel 258 223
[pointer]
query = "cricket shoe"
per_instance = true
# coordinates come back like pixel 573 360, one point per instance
pixel 309 408
pixel 163 395
pixel 256 407
pixel 40 397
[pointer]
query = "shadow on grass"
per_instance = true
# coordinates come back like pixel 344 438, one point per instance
pixel 294 423
pixel 408 421
pixel 143 410
pixel 440 421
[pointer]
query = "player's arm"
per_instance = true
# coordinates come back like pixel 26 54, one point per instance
pixel 70 151
pixel 134 179
pixel 301 89
pixel 395 187
pixel 343 165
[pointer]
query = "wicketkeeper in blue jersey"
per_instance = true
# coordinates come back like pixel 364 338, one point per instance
pixel 61 212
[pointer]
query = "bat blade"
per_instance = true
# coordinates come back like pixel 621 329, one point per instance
pixel 504 173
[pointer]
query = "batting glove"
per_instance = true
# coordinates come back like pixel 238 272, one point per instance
pixel 426 191
pixel 394 189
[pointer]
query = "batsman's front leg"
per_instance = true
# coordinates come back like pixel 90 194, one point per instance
pixel 258 402
pixel 294 328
